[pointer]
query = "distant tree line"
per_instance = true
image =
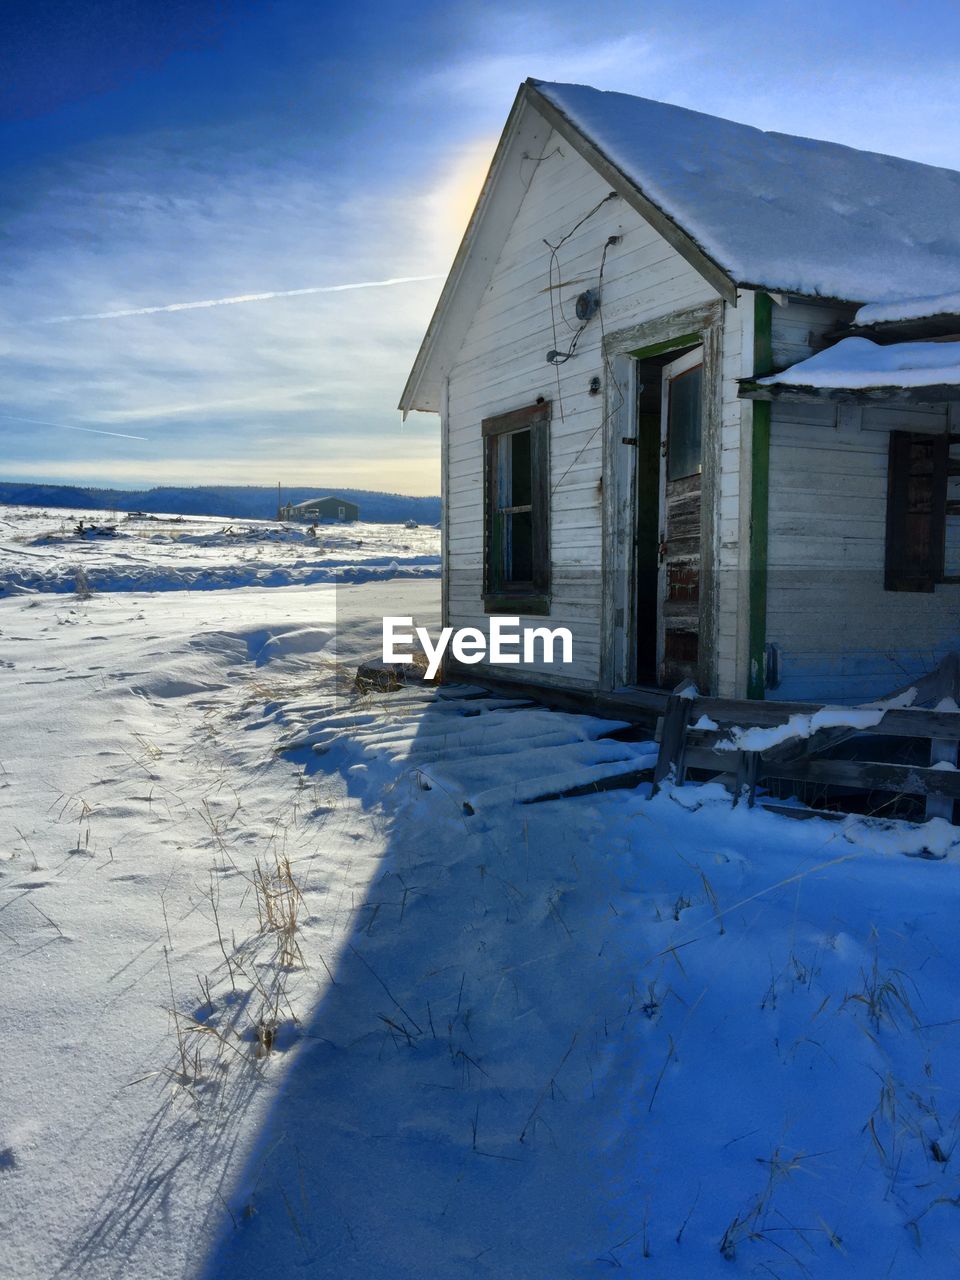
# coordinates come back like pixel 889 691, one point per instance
pixel 252 502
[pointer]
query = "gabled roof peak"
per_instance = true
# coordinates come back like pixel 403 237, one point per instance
pixel 746 208
pixel 778 211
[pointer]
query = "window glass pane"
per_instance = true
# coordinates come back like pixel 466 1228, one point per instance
pixel 518 445
pixel 513 531
pixel 518 547
pixel 683 425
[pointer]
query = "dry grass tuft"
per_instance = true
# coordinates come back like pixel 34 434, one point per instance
pixel 279 900
pixel 884 996
pixel 761 1222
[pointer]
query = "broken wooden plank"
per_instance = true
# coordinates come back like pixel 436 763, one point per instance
pixel 748 763
pixel 673 739
pixel 638 706
pixel 615 782
pixel 899 722
pixel 930 689
pixel 864 775
pixel 942 752
pixel 801 813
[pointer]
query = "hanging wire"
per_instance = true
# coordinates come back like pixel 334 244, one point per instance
pixel 537 161
pixel 555 264
pixel 608 368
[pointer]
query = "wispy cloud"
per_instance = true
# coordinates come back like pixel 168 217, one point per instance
pixel 113 232
pixel 521 48
pixel 63 426
pixel 242 297
pixel 865 83
pixel 107 231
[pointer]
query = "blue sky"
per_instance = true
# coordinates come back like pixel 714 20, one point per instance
pixel 187 150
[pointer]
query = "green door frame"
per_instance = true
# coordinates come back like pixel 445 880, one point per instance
pixel 759 499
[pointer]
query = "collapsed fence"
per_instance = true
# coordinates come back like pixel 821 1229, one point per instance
pixel 749 744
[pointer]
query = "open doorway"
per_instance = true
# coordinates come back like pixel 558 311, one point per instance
pixel 668 515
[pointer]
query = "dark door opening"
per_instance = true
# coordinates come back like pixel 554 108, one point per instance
pixel 648 520
pixel 680 519
pixel 667 546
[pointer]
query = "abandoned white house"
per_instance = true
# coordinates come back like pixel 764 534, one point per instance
pixel 615 452
pixel 324 510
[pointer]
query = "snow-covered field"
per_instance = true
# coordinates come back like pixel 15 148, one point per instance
pixel 294 984
pixel 41 549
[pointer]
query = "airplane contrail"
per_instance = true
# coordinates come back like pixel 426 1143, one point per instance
pixel 241 297
pixel 94 431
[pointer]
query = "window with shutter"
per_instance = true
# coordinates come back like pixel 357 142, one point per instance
pixel 516 511
pixel 917 480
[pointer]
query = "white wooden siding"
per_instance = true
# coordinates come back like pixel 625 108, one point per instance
pixel 732 604
pixel 841 635
pixel 502 366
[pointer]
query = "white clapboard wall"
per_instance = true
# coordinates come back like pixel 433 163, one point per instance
pixel 841 635
pixel 502 366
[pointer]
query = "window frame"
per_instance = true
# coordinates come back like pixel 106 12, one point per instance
pixel 531 597
pixel 900 572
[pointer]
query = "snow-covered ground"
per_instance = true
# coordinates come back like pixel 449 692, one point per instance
pixel 295 983
pixel 41 549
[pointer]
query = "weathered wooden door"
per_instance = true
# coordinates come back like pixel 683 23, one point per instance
pixel 678 614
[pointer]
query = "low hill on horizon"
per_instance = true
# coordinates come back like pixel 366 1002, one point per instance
pixel 239 502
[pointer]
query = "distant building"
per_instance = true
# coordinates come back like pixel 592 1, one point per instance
pixel 329 510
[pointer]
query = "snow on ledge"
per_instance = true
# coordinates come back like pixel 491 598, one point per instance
pixel 942 304
pixel 801 726
pixel 857 363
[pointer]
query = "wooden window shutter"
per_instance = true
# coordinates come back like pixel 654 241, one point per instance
pixel 916 511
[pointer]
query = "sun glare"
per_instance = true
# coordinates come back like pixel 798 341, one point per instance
pixel 456 195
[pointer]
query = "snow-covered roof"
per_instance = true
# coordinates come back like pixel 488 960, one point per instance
pixel 858 363
pixel 312 502
pixel 776 211
pixel 744 207
pixel 939 304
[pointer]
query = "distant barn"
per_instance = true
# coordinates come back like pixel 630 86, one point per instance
pixel 327 509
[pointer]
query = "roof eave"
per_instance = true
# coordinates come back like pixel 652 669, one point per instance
pixel 929 328
pixel 790 291
pixel 939 393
